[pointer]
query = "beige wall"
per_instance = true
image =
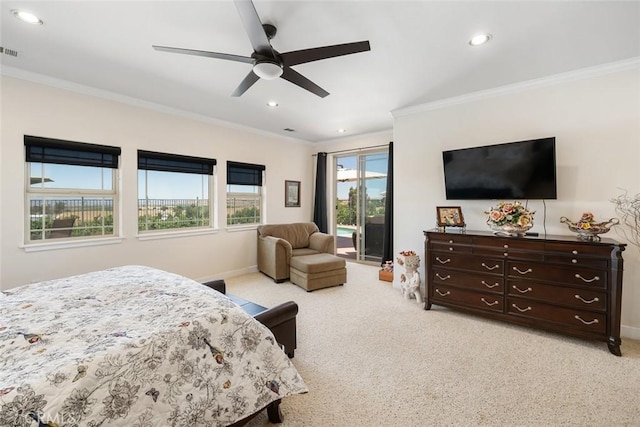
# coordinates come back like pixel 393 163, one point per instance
pixel 595 118
pixel 35 109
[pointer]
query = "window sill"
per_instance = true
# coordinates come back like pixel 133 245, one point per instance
pixel 50 246
pixel 155 235
pixel 233 228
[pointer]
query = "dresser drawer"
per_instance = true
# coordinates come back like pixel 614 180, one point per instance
pixel 467 262
pixel 480 300
pixel 588 299
pixel 509 253
pixel 474 281
pixel 506 243
pixel 569 317
pixel 580 249
pixel 551 273
pixel 595 263
pixel 451 243
pixel 450 239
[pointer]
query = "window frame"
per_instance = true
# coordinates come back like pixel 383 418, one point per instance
pixel 246 174
pixel 43 151
pixel 176 163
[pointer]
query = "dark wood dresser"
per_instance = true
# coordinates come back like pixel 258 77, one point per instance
pixel 556 283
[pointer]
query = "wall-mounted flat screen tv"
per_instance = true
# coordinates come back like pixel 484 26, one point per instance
pixel 515 170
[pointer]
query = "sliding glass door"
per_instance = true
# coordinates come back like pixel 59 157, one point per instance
pixel 361 181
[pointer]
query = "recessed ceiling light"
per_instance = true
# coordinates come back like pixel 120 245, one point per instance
pixel 342 130
pixel 272 104
pixel 480 39
pixel 27 17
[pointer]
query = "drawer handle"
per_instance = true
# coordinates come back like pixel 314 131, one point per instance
pixel 527 271
pixel 490 286
pixel 596 299
pixel 574 252
pixel 585 322
pixel 443 261
pixel 523 291
pixel 442 294
pixel 490 268
pixel 594 279
pixel 443 278
pixel 521 310
pixel 488 303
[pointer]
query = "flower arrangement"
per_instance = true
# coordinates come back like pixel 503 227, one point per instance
pixel 585 221
pixel 514 214
pixel 587 228
pixel 407 253
pixel 388 266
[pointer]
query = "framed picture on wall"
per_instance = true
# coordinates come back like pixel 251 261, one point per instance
pixel 450 216
pixel 292 194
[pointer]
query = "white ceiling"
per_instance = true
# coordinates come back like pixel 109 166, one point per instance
pixel 419 53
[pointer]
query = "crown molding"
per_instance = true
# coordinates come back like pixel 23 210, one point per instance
pixel 131 101
pixel 584 73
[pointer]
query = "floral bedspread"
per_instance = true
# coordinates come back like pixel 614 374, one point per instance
pixel 134 346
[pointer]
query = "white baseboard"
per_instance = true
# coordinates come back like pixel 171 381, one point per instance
pixel 630 332
pixel 231 273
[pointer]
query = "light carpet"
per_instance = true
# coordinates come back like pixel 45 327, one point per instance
pixel 373 358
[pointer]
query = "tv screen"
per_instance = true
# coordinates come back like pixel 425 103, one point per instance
pixel 516 170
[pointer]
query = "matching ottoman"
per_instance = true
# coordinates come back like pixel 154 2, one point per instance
pixel 318 271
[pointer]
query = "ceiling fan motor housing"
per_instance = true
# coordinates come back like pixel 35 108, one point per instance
pixel 268 69
pixel 270 30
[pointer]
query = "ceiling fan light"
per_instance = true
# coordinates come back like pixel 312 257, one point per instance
pixel 267 70
pixel 480 39
pixel 27 17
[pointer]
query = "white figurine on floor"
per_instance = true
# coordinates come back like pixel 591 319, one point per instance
pixel 411 288
pixel 410 282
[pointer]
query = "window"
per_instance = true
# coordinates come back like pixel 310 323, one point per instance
pixel 244 193
pixel 174 191
pixel 71 189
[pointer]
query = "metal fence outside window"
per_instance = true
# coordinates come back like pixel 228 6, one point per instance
pixel 243 209
pixel 159 214
pixel 54 218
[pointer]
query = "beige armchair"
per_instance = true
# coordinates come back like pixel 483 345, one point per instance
pixel 278 243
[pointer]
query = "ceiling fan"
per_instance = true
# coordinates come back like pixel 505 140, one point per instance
pixel 267 62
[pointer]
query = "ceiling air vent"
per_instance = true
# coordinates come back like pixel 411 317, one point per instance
pixel 9 52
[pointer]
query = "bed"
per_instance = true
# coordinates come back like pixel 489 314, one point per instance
pixel 134 346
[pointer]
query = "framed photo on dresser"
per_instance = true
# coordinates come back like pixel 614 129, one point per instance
pixel 450 216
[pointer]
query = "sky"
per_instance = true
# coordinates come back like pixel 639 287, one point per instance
pixel 169 185
pixel 374 163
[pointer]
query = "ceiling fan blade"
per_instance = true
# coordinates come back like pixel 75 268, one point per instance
pixel 227 56
pixel 298 79
pixel 315 54
pixel 253 27
pixel 246 84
